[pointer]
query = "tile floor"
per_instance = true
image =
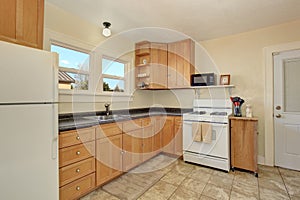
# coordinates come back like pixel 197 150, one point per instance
pixel 164 177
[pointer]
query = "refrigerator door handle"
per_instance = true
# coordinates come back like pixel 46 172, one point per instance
pixel 55 61
pixel 55 132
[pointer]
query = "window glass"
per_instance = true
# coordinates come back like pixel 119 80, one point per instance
pixel 73 68
pixel 69 58
pixel 81 81
pixel 113 67
pixel 113 85
pixel 113 75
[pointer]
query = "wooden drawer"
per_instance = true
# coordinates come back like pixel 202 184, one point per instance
pixel 132 125
pixel 106 130
pixel 75 171
pixel 178 121
pixel 76 153
pixel 69 138
pixel 77 188
pixel 146 121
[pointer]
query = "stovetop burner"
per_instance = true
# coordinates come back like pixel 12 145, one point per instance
pixel 199 112
pixel 219 113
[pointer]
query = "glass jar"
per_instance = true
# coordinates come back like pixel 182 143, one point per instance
pixel 248 111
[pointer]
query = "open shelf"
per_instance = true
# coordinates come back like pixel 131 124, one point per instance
pixel 143 53
pixel 143 65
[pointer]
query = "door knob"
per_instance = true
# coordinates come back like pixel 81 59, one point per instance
pixel 278 115
pixel 278 107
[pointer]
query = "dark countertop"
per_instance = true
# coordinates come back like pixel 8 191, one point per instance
pixel 73 121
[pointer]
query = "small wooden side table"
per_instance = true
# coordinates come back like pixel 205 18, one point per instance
pixel 243 134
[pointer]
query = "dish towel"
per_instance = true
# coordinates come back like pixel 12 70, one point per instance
pixel 197 131
pixel 206 132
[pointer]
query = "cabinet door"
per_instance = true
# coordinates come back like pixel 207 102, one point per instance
pixel 8 19
pixel 243 144
pixel 148 142
pixel 157 140
pixel 21 22
pixel 180 63
pixel 133 149
pixel 159 69
pixel 178 136
pixel 168 135
pixel 109 158
pixel 172 55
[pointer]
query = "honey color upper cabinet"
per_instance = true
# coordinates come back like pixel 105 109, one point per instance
pixel 151 65
pixel 181 60
pixel 22 22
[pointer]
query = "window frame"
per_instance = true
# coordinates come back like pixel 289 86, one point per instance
pixel 95 92
pixel 73 70
pixel 125 79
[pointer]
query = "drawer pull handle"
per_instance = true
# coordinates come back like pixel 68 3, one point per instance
pixel 78 153
pixel 77 138
pixel 78 170
pixel 77 188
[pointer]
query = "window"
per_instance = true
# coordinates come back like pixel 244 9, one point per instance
pixel 73 68
pixel 113 75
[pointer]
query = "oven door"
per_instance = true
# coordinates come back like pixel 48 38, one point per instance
pixel 219 147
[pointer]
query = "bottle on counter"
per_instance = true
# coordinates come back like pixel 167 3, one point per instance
pixel 248 111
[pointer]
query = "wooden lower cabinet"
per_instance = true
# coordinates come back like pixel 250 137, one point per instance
pixel 76 153
pixel 157 140
pixel 90 157
pixel 76 171
pixel 244 143
pixel 133 149
pixel 168 135
pixel 178 136
pixel 108 158
pixel 172 135
pixel 148 142
pixel 77 188
pixel 76 162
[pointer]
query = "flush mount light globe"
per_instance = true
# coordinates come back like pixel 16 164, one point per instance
pixel 106 31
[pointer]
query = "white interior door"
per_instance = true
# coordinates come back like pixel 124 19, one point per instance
pixel 287 109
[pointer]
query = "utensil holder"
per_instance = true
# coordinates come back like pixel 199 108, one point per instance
pixel 237 111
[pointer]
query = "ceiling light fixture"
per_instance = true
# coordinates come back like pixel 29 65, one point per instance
pixel 106 31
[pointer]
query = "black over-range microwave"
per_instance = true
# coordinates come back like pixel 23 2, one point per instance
pixel 203 79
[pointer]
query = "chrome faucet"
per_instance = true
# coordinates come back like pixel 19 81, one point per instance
pixel 106 105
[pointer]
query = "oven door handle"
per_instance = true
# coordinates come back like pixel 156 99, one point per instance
pixel 213 124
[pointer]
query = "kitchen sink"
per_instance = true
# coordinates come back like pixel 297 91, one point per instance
pixel 106 117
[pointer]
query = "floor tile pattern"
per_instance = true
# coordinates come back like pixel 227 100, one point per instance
pixel 164 177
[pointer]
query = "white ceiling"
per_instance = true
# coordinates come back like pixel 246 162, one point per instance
pixel 199 19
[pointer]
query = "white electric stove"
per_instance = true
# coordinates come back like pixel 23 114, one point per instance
pixel 216 153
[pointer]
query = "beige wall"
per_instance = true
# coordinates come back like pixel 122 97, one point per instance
pixel 60 21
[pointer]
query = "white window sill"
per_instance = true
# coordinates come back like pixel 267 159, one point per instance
pixel 81 96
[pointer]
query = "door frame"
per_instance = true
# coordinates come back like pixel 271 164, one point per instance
pixel 269 97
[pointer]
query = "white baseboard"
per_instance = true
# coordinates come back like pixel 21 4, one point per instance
pixel 260 160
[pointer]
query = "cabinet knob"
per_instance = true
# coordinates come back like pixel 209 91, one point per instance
pixel 77 138
pixel 78 170
pixel 78 153
pixel 278 115
pixel 77 188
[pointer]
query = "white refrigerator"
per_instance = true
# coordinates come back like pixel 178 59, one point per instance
pixel 28 123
